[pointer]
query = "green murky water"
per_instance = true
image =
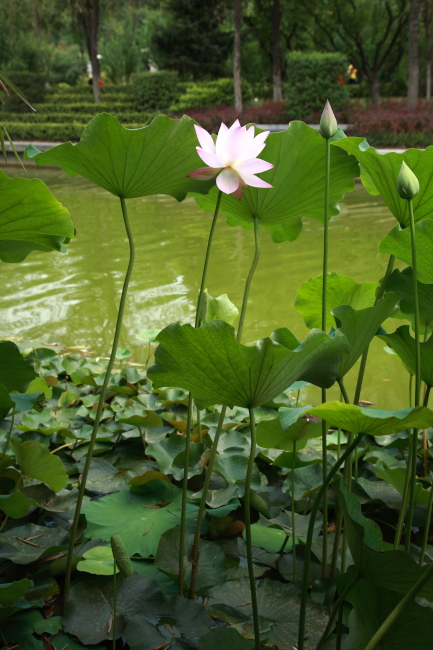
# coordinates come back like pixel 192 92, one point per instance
pixel 73 298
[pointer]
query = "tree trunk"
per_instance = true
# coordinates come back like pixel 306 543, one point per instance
pixel 375 91
pixel 89 16
pixel 276 52
pixel 413 65
pixel 427 51
pixel 237 56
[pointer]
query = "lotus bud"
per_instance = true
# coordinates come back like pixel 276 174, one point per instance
pixel 407 182
pixel 121 556
pixel 328 123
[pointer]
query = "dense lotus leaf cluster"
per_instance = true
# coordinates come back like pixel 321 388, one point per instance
pixel 197 498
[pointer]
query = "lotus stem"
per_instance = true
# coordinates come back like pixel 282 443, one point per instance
pixel 114 604
pixel 313 514
pixel 324 315
pixel 195 552
pixel 9 433
pixel 248 532
pixel 379 295
pixel 430 501
pixel 101 400
pixel 198 322
pixel 293 511
pixel 335 610
pixel 393 616
pixel 414 440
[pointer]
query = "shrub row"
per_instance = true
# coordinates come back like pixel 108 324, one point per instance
pixel 268 113
pixel 210 93
pixel 51 132
pixel 80 118
pixel 83 107
pixel 88 98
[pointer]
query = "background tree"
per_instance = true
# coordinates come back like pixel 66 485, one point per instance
pixel 413 63
pixel 87 12
pixel 372 34
pixel 237 6
pixel 427 22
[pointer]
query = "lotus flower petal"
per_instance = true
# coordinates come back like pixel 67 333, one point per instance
pixel 228 181
pixel 257 145
pixel 204 173
pixel 253 166
pixel 249 179
pixel 210 159
pixel 205 139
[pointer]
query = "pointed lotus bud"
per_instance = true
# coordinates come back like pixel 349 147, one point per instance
pixel 328 123
pixel 407 182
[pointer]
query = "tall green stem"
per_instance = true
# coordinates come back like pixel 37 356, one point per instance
pixel 363 363
pixel 293 511
pixel 430 501
pixel 195 552
pixel 101 400
pixel 198 321
pixel 335 610
pixel 114 604
pixel 340 516
pixel 9 433
pixel 390 620
pixel 249 543
pixel 309 542
pixel 414 441
pixel 324 315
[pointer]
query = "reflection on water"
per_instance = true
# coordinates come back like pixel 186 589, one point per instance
pixel 73 298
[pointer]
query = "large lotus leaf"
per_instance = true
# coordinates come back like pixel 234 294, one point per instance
pixel 216 368
pixel 212 568
pixel 398 242
pixel 129 163
pixel 170 456
pixel 271 434
pixel 298 179
pixel 99 561
pixel 359 327
pixel 134 517
pixel 396 477
pixel 341 290
pixel 11 591
pixel 6 404
pixel 394 570
pixel 404 345
pixel 371 605
pixel 25 544
pixel 30 219
pixel 401 282
pixel 375 422
pixel 141 606
pixel 278 607
pixel 15 373
pixel 16 505
pixel 383 170
pixel 270 538
pixel 35 461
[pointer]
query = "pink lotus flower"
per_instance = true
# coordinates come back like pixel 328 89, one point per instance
pixel 233 157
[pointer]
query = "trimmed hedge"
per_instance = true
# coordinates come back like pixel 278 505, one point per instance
pixel 51 132
pixel 154 90
pixel 211 93
pixel 32 84
pixel 79 92
pixel 312 78
pixel 66 118
pixel 83 107
pixel 71 98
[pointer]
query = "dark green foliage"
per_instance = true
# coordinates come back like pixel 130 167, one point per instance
pixel 191 40
pixel 312 78
pixel 211 93
pixel 152 90
pixel 32 84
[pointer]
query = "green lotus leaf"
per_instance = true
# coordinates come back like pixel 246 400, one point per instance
pixel 225 637
pixel 16 505
pixel 398 242
pixel 383 170
pixel 11 591
pixel 14 547
pixel 270 538
pixel 272 434
pixel 6 403
pixel 170 456
pixel 31 219
pixel 360 327
pixel 216 368
pixel 298 179
pixel 15 373
pixel 341 290
pixel 404 345
pixel 401 282
pixel 35 461
pixel 375 422
pixel 129 163
pixel 99 561
pixel 220 308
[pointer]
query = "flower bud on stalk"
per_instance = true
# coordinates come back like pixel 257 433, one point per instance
pixel 407 182
pixel 328 123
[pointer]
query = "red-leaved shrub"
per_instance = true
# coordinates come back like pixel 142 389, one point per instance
pixel 268 113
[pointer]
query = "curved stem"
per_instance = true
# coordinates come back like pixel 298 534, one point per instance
pixel 343 391
pixel 9 433
pixel 393 616
pixel 314 509
pixel 293 512
pixel 335 611
pixel 195 551
pixel 363 364
pixel 324 315
pixel 249 543
pixel 101 400
pixel 414 440
pixel 199 316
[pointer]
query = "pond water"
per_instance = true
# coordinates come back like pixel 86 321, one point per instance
pixel 73 298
